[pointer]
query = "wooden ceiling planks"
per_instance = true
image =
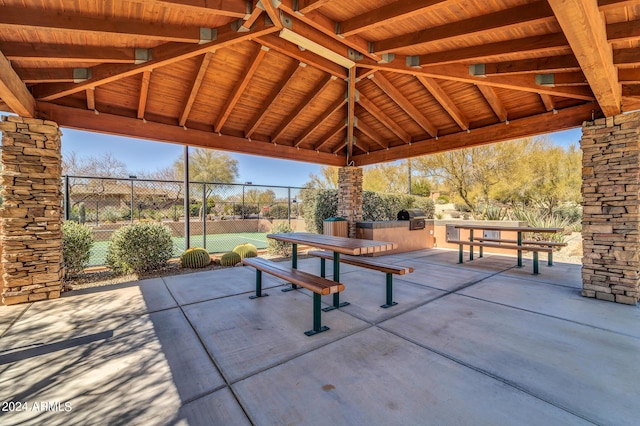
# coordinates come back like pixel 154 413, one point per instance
pixel 418 101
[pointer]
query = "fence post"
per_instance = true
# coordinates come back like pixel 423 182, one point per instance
pixel 187 232
pixel 289 205
pixel 67 198
pixel 204 215
pixel 132 205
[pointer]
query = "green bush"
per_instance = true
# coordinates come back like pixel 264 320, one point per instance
pixel 443 199
pixel 279 211
pixel 82 213
pixel 426 204
pixel 195 258
pixel 318 205
pixel 139 247
pixel 246 250
pixel 77 240
pixel 279 248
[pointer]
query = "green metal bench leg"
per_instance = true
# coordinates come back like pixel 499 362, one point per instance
pixel 480 250
pixel 294 265
pixel 461 254
pixel 535 263
pixel 259 292
pixel 520 251
pixel 470 246
pixel 390 301
pixel 550 258
pixel 336 278
pixel 323 268
pixel 317 327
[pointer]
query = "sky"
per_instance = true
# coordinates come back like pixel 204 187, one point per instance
pixel 142 155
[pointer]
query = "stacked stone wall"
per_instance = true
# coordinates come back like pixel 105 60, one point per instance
pixel 350 196
pixel 31 212
pixel 611 208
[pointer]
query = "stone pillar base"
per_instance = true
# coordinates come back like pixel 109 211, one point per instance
pixel 611 208
pixel 350 196
pixel 31 213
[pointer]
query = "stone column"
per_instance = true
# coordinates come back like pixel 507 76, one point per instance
pixel 31 212
pixel 350 196
pixel 611 215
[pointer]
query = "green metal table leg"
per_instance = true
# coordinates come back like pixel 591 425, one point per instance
pixel 520 251
pixel 535 263
pixel 470 246
pixel 317 327
pixel 259 292
pixel 390 301
pixel 550 258
pixel 294 265
pixel 460 254
pixel 323 268
pixel 336 278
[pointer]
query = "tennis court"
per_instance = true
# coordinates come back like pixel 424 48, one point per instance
pixel 216 243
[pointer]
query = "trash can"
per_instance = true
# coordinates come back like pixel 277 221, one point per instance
pixel 336 226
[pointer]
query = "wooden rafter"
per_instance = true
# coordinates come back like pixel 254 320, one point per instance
pixel 24 52
pixel 166 55
pixel 46 75
pixel 339 147
pixel 282 46
pixel 624 31
pixel 606 5
pixel 325 139
pixel 549 105
pixel 302 105
pixel 273 97
pixel 195 87
pixel 626 57
pixel 452 109
pixel 117 125
pixel 241 85
pixel 306 6
pixel 385 15
pixel 584 27
pixel 271 10
pixel 379 115
pixel 253 17
pixel 144 93
pixel 551 64
pixel 351 110
pixel 91 99
pixel 392 91
pixel 528 14
pixel 70 22
pixel 629 76
pixel 565 119
pixel 13 92
pixel 494 102
pixel 231 8
pixel 328 112
pixel 371 134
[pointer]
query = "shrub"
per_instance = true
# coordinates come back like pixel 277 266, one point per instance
pixel 427 205
pixel 246 250
pixel 317 205
pixel 110 214
pixel 230 258
pixel 139 247
pixel 195 258
pixel 279 247
pixel 279 211
pixel 82 213
pixel 443 199
pixel 77 240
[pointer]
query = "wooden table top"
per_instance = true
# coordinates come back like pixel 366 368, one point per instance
pixel 353 246
pixel 510 228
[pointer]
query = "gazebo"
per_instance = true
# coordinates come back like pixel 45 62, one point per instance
pixel 323 81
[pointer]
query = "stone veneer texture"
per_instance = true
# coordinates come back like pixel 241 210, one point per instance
pixel 611 208
pixel 350 196
pixel 31 212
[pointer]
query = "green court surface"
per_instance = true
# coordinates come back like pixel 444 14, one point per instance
pixel 216 243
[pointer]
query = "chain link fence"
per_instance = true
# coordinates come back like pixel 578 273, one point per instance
pixel 220 215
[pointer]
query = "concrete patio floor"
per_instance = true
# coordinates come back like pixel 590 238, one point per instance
pixel 479 343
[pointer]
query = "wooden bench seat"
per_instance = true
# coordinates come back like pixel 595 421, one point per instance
pixel 318 285
pixel 369 263
pixel 526 242
pixel 506 246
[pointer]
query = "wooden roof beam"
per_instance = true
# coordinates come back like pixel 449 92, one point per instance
pixel 52 75
pixel 392 91
pixel 325 139
pixel 529 14
pixel 242 84
pixel 231 8
pixel 550 64
pixel 629 76
pixel 144 93
pixel 494 101
pixel 195 87
pixel 70 22
pixel 549 105
pixel 30 52
pixel 306 6
pixel 584 27
pixel 452 109
pixel 161 56
pixel 91 99
pixel 81 119
pixel 13 91
pixel 386 15
pixel 370 133
pixel 351 110
pixel 387 121
pixel 302 105
pixel 607 5
pixel 626 57
pixel 328 112
pixel 566 118
pixel 273 97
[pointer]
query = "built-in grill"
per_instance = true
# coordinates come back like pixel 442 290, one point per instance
pixel 416 218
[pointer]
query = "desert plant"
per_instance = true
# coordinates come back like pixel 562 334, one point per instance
pixel 139 247
pixel 246 250
pixel 536 219
pixel 82 213
pixel 230 258
pixel 77 240
pixel 195 258
pixel 279 211
pixel 279 247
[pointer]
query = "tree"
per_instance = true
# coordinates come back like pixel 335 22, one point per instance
pixel 328 178
pixel 105 165
pixel 206 165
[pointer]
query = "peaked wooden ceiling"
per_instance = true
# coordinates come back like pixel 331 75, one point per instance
pixel 326 81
